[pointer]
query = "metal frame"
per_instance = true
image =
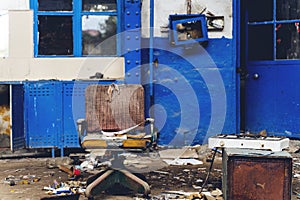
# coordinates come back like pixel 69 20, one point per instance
pixel 77 25
pixel 196 18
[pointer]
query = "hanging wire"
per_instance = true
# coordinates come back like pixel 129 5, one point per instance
pixel 209 171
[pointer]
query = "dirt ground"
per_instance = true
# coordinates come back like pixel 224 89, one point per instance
pixel 43 172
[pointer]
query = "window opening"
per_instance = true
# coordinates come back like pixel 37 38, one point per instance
pixel 55 35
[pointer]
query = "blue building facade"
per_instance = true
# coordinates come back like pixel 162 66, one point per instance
pixel 192 85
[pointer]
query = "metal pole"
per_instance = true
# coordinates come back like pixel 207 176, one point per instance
pixel 151 46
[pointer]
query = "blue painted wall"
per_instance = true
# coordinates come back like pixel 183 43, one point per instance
pixel 195 94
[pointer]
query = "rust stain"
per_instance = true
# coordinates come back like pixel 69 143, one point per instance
pixel 267 175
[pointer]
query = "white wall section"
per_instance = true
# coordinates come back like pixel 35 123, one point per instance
pixel 14 5
pixel 21 65
pixel 4 33
pixel 165 8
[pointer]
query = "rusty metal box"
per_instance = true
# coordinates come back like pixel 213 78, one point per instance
pixel 250 174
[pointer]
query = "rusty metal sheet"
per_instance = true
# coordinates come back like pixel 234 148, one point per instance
pixel 257 177
pixel 114 107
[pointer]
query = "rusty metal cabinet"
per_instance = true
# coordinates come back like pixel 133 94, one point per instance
pixel 256 175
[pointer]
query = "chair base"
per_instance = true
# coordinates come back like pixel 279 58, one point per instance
pixel 111 177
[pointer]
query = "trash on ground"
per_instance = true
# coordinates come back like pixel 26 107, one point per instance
pixel 24 180
pixel 181 161
pixel 65 188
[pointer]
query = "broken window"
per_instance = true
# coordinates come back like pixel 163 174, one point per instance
pixel 273 29
pixel 98 35
pixel 287 41
pixel 75 27
pixel 55 35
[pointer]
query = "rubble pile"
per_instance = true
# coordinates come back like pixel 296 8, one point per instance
pixel 189 177
pixel 170 173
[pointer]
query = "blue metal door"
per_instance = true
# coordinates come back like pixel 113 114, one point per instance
pixel 17 111
pixel 270 41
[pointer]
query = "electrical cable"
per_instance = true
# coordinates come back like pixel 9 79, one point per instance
pixel 209 171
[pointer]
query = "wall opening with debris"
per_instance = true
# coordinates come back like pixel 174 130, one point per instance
pixel 5 127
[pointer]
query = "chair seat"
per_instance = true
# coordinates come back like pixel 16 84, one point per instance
pixel 96 140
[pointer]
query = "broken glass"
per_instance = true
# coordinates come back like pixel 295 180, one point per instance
pixel 99 35
pixel 99 5
pixel 55 5
pixel 287 41
pixel 55 35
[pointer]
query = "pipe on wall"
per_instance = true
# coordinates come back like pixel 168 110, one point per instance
pixel 151 46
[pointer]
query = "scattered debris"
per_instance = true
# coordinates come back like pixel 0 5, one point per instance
pixel 55 162
pixel 181 161
pixel 68 169
pixel 213 195
pixel 70 187
pixel 187 178
pixel 63 197
pixel 24 180
pixel 183 153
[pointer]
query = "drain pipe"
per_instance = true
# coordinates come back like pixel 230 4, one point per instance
pixel 151 47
